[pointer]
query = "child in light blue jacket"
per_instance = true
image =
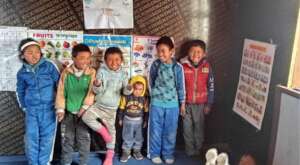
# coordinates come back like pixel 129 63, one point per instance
pixel 110 80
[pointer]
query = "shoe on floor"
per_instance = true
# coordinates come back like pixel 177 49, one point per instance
pixel 156 160
pixel 169 161
pixel 138 155
pixel 125 156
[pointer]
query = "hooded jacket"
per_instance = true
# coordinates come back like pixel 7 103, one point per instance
pixel 199 82
pixel 134 106
pixel 109 92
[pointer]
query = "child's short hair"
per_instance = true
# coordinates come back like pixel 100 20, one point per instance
pixel 198 43
pixel 25 43
pixel 80 48
pixel 112 50
pixel 166 41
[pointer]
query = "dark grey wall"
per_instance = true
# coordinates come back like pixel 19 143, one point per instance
pixel 230 22
pixel 261 20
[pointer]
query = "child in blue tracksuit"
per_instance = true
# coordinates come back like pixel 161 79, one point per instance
pixel 36 85
pixel 167 89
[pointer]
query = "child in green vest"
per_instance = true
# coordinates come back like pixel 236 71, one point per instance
pixel 74 97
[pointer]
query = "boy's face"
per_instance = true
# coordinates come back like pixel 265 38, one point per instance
pixel 32 54
pixel 114 61
pixel 82 60
pixel 165 53
pixel 138 89
pixel 196 53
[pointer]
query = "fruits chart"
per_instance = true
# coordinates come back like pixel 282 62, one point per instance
pixel 57 45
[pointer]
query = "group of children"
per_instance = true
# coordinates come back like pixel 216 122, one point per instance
pixel 89 99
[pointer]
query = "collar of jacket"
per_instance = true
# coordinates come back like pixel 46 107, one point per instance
pixel 185 60
pixel 32 68
pixel 105 67
pixel 71 69
pixel 158 62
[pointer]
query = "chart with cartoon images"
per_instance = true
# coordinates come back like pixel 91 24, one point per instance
pixel 10 63
pixel 139 51
pixel 253 87
pixel 57 45
pixel 143 54
pixel 99 43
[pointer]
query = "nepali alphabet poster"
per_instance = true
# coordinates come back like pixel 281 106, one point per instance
pixel 254 81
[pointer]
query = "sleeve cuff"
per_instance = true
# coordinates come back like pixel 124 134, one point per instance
pixel 85 107
pixel 60 110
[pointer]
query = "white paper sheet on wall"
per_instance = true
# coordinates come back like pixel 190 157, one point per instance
pixel 10 38
pixel 108 14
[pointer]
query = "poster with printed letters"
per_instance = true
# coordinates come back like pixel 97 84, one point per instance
pixel 254 80
pixel 10 64
pixel 99 43
pixel 57 45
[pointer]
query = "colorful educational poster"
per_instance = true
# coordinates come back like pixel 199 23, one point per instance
pixel 255 76
pixel 108 14
pixel 99 43
pixel 143 54
pixel 57 45
pixel 10 38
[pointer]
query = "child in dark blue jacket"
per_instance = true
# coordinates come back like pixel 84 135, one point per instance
pixel 36 86
pixel 167 89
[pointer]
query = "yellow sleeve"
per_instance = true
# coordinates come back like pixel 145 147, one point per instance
pixel 122 103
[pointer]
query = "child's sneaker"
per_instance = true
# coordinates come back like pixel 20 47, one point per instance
pixel 169 161
pixel 138 155
pixel 125 156
pixel 156 160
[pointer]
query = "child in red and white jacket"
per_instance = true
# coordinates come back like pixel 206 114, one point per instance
pixel 199 84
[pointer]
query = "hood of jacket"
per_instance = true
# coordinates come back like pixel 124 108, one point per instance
pixel 140 79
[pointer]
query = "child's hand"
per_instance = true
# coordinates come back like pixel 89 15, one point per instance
pixel 60 116
pixel 120 122
pixel 81 112
pixel 182 110
pixel 207 110
pixel 129 87
pixel 97 83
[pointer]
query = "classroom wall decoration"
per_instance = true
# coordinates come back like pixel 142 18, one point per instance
pixel 255 76
pixel 10 63
pixel 57 45
pixel 143 54
pixel 108 14
pixel 99 43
